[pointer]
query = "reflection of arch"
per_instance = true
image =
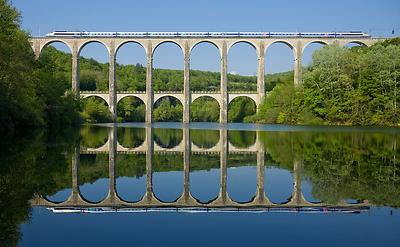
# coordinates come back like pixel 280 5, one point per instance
pixel 49 42
pixel 135 136
pixel 168 140
pixel 82 46
pixel 128 42
pixel 238 139
pixel 205 139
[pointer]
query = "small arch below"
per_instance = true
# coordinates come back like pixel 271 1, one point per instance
pixel 95 110
pixel 168 109
pixel 131 109
pixel 204 109
pixel 240 108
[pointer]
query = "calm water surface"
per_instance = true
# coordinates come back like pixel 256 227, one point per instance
pixel 283 185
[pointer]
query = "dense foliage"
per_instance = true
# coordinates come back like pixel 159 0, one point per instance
pixel 344 86
pixel 32 93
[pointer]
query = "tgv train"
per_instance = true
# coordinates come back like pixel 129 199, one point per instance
pixel 353 34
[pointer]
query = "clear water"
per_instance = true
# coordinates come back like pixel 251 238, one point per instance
pixel 332 165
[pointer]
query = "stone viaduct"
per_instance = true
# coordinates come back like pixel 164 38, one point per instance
pixel 223 44
pixel 186 200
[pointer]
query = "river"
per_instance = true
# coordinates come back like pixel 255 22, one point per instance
pixel 201 185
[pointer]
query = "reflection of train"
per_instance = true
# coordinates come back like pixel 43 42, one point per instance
pixel 211 210
pixel 353 34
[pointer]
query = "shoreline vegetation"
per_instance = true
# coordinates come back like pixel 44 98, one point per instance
pixel 342 86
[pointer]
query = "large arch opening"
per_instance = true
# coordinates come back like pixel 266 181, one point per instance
pixel 279 63
pixel 242 67
pixel 168 109
pixel 131 109
pixel 204 109
pixel 55 61
pixel 95 110
pixel 93 67
pixel 308 51
pixel 168 67
pixel 131 67
pixel 241 108
pixel 205 67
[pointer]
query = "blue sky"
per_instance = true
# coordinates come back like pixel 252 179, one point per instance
pixel 378 17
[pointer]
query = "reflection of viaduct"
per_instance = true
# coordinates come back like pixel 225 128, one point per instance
pixel 178 148
pixel 223 97
pixel 186 200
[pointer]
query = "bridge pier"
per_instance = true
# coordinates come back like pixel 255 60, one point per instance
pixel 224 84
pixel 261 75
pixel 149 84
pixel 186 85
pixel 75 69
pixel 297 63
pixel 111 84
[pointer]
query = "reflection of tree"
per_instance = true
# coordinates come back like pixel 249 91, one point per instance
pixel 35 164
pixel 342 165
pixel 131 137
pixel 242 139
pixel 204 138
pixel 168 138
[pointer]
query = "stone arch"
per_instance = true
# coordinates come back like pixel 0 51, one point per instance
pixel 90 41
pixel 249 42
pixel 163 42
pixel 49 42
pixel 98 96
pixel 241 111
pixel 130 41
pixel 306 57
pixel 197 113
pixel 321 42
pixel 290 45
pixel 205 41
pixel 137 110
pixel 357 42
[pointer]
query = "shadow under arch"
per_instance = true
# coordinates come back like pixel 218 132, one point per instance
pixel 131 137
pixel 241 107
pixel 131 109
pixel 205 109
pixel 168 108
